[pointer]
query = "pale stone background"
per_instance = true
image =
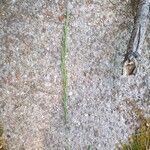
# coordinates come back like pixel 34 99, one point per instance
pixel 31 80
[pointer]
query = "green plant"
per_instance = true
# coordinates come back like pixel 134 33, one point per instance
pixel 63 65
pixel 89 147
pixel 2 140
pixel 140 140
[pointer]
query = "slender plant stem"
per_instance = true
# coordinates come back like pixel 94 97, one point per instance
pixel 89 147
pixel 63 65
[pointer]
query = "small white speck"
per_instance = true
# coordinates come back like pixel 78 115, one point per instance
pixel 70 93
pixel 13 1
pixel 56 1
pixel 8 92
pixel 86 115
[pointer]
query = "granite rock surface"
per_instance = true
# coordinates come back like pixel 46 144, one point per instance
pixel 31 80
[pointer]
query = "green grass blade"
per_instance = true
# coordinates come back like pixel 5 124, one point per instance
pixel 63 65
pixel 89 147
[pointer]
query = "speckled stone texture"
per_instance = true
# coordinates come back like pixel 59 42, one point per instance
pixel 31 80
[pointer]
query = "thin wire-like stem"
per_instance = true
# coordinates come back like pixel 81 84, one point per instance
pixel 63 65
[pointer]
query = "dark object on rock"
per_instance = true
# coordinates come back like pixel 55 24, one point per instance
pixel 137 38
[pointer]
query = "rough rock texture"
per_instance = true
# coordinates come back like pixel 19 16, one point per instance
pixel 31 81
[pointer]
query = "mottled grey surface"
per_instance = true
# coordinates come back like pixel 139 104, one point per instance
pixel 31 80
